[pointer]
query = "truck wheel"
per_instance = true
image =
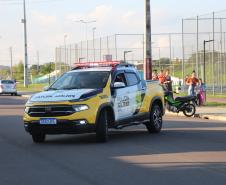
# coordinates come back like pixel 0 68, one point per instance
pixel 38 138
pixel 155 124
pixel 102 127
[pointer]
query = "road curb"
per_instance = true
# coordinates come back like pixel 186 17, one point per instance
pixel 201 116
pixel 26 96
pixel 213 117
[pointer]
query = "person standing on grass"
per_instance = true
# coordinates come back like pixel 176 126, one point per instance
pixel 201 92
pixel 192 82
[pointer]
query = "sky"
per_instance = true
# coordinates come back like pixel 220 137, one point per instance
pixel 49 20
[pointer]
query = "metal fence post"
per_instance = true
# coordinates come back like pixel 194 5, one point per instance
pixel 100 50
pixel 197 45
pixel 183 55
pixel 221 58
pixel 116 52
pixel 213 79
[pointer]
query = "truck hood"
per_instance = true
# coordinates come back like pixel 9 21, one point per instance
pixel 59 95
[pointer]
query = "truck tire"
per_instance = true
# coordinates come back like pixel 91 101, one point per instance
pixel 102 127
pixel 155 123
pixel 38 137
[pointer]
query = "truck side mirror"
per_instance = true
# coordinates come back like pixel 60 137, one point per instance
pixel 118 85
pixel 45 88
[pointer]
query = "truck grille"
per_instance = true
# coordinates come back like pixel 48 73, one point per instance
pixel 51 111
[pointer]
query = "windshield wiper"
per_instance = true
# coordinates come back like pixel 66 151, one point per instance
pixel 51 88
pixel 69 88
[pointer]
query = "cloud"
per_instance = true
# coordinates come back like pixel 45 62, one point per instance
pixel 43 19
pixel 101 12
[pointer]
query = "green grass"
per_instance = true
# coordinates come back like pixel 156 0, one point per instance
pixel 215 104
pixel 31 87
pixel 209 95
pixel 216 96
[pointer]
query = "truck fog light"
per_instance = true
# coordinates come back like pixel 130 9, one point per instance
pixel 82 122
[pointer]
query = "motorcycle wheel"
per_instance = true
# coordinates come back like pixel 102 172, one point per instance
pixel 189 110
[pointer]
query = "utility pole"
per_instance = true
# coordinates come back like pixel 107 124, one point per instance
pixel 24 21
pixel 148 47
pixel 11 62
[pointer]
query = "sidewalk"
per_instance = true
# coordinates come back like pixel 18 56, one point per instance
pixel 26 94
pixel 211 113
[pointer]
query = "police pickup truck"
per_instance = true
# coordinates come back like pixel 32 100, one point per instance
pixel 94 97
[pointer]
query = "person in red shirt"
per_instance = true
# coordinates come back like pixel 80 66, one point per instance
pixel 192 81
pixel 162 77
pixel 155 75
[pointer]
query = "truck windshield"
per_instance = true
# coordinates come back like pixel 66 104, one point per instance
pixel 7 82
pixel 81 80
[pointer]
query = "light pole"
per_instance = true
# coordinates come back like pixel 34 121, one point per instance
pixel 24 21
pixel 148 47
pixel 204 61
pixel 86 25
pixel 11 62
pixel 94 52
pixel 125 52
pixel 80 59
pixel 65 50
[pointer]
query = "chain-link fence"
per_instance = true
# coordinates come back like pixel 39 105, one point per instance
pixel 211 29
pixel 180 52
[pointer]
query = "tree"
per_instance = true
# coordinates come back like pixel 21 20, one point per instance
pixel 47 68
pixel 18 71
pixel 4 73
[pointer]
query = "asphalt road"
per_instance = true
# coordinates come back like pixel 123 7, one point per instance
pixel 187 152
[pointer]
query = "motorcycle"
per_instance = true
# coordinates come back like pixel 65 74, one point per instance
pixel 181 104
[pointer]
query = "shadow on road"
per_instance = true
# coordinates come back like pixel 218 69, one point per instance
pixel 12 100
pixel 133 156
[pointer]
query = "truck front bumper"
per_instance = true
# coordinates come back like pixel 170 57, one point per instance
pixel 62 127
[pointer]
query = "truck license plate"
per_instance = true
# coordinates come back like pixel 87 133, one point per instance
pixel 48 121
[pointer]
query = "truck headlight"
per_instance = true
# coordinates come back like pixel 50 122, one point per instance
pixel 79 108
pixel 26 110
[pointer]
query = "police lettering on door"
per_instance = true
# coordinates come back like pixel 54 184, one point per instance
pixel 123 101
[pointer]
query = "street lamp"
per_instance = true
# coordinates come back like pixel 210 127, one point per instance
pixel 125 52
pixel 86 25
pixel 80 59
pixel 204 61
pixel 94 57
pixel 65 50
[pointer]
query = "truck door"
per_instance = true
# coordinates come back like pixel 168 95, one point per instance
pixel 121 98
pixel 133 83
